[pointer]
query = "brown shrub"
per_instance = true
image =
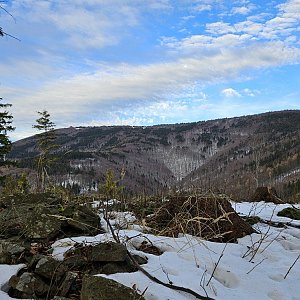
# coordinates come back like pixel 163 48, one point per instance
pixel 208 216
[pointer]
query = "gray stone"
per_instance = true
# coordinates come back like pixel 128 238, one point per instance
pixel 108 252
pixel 40 217
pixel 103 252
pixel 10 252
pixel 112 268
pixel 96 288
pixel 82 219
pixel 49 267
pixel 29 284
pixel 41 225
pixel 67 283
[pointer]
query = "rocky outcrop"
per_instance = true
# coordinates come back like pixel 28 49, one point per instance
pixel 30 223
pixel 42 217
pixel 46 277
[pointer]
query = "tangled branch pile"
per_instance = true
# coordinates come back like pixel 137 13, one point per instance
pixel 208 216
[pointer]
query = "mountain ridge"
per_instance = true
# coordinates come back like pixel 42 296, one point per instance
pixel 232 155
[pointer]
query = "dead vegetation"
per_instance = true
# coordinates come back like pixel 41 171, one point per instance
pixel 208 216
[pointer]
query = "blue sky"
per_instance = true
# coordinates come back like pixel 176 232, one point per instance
pixel 145 62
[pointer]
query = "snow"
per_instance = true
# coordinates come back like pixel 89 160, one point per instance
pixel 254 268
pixel 265 210
pixel 6 271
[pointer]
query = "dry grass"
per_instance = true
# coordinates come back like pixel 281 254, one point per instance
pixel 208 216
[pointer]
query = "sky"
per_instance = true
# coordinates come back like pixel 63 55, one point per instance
pixel 146 62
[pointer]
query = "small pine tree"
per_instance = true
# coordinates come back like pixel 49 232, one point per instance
pixel 5 127
pixel 45 143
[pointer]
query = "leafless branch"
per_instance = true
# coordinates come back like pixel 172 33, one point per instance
pixel 290 268
pixel 216 265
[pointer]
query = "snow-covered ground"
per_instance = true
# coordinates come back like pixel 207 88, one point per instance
pixel 257 267
pixel 265 210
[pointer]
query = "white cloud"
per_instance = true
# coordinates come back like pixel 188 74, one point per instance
pixel 202 7
pixel 230 92
pixel 88 24
pixel 219 28
pixel 249 92
pixel 241 10
pixel 117 84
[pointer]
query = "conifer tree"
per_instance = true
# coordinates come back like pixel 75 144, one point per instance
pixel 45 145
pixel 5 127
pixel 5 143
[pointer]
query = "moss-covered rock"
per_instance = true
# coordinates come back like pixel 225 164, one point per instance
pixel 290 212
pixel 96 287
pixel 102 252
pixel 40 217
pixel 49 267
pixel 42 224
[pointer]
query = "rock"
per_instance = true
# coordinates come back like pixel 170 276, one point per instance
pixel 75 262
pixel 28 285
pixel 96 288
pixel 50 268
pixel 102 252
pixel 81 220
pixel 108 252
pixel 104 258
pixel 10 253
pixel 29 200
pixel 209 216
pixel 41 225
pixel 67 283
pixel 39 217
pixel 267 194
pixel 112 268
pixel 141 260
pixel 290 212
pixel 10 221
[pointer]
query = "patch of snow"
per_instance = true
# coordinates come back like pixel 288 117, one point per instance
pixel 6 271
pixel 265 210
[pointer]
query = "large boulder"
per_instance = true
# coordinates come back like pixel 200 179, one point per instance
pixel 102 252
pixel 208 216
pixel 29 199
pixel 48 267
pixel 80 220
pixel 96 288
pixel 41 225
pixel 104 258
